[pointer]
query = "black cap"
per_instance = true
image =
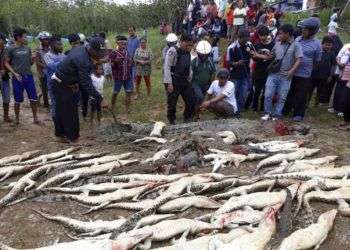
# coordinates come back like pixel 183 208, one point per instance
pixel 98 45
pixel 73 38
pixel 120 38
pixel 223 73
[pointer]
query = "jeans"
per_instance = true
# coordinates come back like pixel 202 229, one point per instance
pixel 49 90
pixel 276 85
pixel 242 87
pixel 199 91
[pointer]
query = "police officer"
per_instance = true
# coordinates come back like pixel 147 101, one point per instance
pixel 72 74
pixel 177 74
pixel 171 40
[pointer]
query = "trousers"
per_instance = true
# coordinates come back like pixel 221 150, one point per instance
pixel 346 100
pixel 297 96
pixel 338 99
pixel 186 91
pixel 258 94
pixel 66 119
pixel 276 85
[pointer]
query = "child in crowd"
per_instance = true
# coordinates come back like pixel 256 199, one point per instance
pixel 98 80
pixel 323 72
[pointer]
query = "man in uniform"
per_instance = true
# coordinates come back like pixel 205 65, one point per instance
pixel 71 74
pixel 177 75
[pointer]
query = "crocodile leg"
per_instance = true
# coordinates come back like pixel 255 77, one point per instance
pixel 145 246
pixel 7 175
pixel 30 184
pixel 95 208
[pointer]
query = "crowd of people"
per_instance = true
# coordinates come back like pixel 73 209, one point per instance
pixel 267 66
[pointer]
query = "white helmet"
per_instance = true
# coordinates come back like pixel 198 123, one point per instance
pixel 171 38
pixel 82 37
pixel 203 47
pixel 43 35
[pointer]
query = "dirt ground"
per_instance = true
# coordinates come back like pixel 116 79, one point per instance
pixel 21 227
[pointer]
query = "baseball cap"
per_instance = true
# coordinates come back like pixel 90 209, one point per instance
pixel 98 44
pixel 73 38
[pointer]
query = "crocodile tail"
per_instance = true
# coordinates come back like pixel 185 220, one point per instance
pixel 41 193
pixel 45 215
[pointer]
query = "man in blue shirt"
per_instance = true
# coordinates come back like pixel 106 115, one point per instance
pixel 312 54
pixel 132 45
pixel 52 59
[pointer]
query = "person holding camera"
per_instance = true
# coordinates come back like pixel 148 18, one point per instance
pixel 239 59
pixel 287 55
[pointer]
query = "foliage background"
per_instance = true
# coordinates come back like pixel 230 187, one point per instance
pixel 87 16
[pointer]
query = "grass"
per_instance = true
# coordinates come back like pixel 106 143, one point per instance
pixel 153 108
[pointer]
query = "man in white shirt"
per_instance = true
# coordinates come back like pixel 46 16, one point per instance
pixel 221 96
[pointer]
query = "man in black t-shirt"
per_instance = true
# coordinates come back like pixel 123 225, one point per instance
pixel 260 73
pixel 323 72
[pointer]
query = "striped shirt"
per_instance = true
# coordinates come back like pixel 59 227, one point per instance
pixel 121 65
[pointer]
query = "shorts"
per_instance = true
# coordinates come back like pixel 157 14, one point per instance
pixel 126 84
pixel 5 91
pixel 26 84
pixel 133 72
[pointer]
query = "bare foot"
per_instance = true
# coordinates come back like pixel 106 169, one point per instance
pixel 345 128
pixel 7 120
pixel 37 121
pixel 344 124
pixel 61 140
